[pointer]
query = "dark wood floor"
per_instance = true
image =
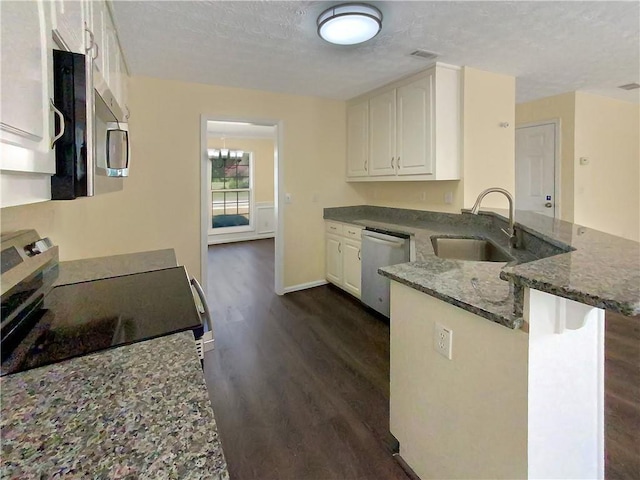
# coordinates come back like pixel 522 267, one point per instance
pixel 622 397
pixel 300 383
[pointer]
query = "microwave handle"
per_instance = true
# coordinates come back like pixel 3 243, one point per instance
pixel 203 300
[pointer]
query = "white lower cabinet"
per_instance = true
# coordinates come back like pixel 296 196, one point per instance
pixel 342 255
pixel 351 267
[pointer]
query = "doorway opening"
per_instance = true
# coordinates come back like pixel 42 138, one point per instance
pixel 538 167
pixel 241 172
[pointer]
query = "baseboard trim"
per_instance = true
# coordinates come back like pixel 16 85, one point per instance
pixel 304 286
pixel 239 238
pixel 405 466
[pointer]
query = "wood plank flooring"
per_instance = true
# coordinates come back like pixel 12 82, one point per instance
pixel 300 383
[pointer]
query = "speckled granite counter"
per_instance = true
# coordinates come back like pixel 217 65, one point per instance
pixel 139 411
pixel 75 271
pixel 587 266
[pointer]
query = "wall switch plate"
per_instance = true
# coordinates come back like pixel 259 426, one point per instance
pixel 442 340
pixel 448 198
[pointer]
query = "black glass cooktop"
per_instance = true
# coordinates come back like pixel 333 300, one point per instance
pixel 81 318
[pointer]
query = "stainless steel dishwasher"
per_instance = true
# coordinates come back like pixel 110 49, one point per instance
pixel 381 248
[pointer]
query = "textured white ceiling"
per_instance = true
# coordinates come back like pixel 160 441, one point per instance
pixel 550 47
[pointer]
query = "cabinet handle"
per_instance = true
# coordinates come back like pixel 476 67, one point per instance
pixel 62 126
pixel 92 41
pixel 128 114
pixel 398 162
pixel 359 255
pixel 365 165
pixel 94 46
pixel 339 249
pixel 392 159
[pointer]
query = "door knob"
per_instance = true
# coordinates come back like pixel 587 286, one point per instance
pixel 548 204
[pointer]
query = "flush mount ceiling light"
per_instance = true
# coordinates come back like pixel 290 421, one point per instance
pixel 349 23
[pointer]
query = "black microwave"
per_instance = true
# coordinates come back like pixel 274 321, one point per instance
pixel 93 149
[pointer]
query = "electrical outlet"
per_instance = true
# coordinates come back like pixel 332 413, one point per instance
pixel 442 340
pixel 423 196
pixel 448 198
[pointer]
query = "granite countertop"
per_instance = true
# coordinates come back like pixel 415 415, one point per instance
pixel 75 271
pixel 137 411
pixel 585 265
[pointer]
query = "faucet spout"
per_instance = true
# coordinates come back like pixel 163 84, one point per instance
pixel 511 233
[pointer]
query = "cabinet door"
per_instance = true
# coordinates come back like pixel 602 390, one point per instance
pixel 382 134
pixel 124 88
pixel 357 139
pixel 26 81
pixel 334 259
pixel 99 27
pixel 67 23
pixel 113 61
pixel 415 127
pixel 351 264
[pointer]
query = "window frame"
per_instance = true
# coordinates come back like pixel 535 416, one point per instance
pixel 252 200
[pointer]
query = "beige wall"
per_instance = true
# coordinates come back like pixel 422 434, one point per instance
pixel 263 155
pixel 561 107
pixel 488 152
pixel 607 190
pixel 489 149
pixel 459 418
pixel 160 205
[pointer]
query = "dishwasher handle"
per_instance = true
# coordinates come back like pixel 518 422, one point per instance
pixel 381 238
pixel 203 308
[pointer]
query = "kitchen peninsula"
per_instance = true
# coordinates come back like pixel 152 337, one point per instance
pixel 522 395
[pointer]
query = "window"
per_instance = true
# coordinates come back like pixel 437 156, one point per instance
pixel 231 190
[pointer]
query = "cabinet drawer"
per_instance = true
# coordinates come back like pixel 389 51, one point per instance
pixel 333 227
pixel 351 231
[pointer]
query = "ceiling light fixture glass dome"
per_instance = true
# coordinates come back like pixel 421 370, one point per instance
pixel 349 23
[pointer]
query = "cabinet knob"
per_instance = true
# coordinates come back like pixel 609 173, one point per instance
pixel 548 204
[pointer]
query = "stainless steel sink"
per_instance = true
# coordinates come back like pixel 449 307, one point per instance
pixel 466 248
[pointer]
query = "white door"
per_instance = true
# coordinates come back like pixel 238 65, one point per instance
pixel 357 139
pixel 415 129
pixel 535 168
pixel 382 134
pixel 334 259
pixel 352 267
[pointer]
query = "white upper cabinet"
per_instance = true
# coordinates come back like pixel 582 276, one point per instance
pixel 68 19
pixel 26 125
pixel 414 129
pixel 382 134
pixel 98 28
pixel 357 139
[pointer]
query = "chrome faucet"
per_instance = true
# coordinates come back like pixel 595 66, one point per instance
pixel 511 232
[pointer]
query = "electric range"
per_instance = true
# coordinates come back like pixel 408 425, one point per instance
pixel 44 324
